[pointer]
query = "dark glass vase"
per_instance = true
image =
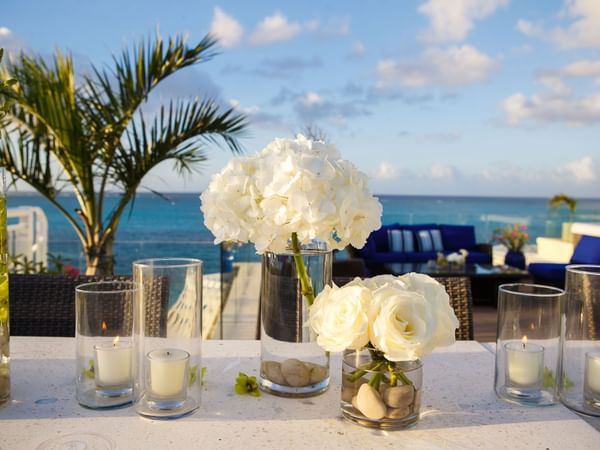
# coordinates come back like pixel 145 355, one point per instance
pixel 515 259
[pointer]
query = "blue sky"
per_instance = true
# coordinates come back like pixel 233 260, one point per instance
pixel 435 97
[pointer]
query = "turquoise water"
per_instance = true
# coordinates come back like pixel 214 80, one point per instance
pixel 174 227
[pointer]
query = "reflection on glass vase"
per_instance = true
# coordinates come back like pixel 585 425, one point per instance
pixel 292 364
pixel 377 393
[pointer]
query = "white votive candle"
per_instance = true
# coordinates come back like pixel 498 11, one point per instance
pixel 524 363
pixel 168 370
pixel 592 372
pixel 113 363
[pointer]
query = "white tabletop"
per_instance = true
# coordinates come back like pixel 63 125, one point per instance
pixel 459 409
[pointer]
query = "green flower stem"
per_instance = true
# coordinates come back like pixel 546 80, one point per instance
pixel 404 378
pixel 393 377
pixel 375 381
pixel 375 365
pixel 305 283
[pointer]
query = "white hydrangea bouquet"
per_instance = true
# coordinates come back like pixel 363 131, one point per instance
pixel 396 320
pixel 292 192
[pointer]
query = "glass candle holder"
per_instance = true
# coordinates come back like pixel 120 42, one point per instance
pixel 169 336
pixel 104 341
pixel 579 381
pixel 527 346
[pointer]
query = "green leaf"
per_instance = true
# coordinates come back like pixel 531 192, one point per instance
pixel 245 384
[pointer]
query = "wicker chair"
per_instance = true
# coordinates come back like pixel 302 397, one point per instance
pixel 44 305
pixel 459 291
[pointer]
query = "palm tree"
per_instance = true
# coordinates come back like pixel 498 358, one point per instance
pixel 560 199
pixel 95 135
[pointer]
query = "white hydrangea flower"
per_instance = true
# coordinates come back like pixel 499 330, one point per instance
pixel 291 186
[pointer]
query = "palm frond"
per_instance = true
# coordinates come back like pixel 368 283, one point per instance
pixel 112 96
pixel 176 133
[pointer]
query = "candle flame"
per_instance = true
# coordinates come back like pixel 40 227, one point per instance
pixel 116 341
pixel 524 340
pixel 103 327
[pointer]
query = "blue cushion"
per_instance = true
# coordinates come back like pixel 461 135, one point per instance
pixel 587 251
pixel 408 241
pixel 380 237
pixel 395 241
pixel 548 272
pixel 436 238
pixel 455 237
pixel 425 244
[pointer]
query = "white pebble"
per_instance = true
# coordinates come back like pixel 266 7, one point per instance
pixel 399 396
pixel 295 372
pixel 369 403
pixel 272 371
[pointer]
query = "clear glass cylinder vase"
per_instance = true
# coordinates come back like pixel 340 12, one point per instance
pixel 579 383
pixel 104 313
pixel 292 363
pixel 380 394
pixel 4 307
pixel 168 336
pixel 527 346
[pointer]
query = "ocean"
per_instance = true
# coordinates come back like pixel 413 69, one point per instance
pixel 157 227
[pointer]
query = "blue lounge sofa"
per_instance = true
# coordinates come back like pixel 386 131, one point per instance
pixel 421 243
pixel 587 251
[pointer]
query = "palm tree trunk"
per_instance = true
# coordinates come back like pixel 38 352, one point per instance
pixel 100 260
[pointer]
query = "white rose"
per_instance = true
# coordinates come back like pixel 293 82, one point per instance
pixel 339 317
pixel 403 323
pixel 435 294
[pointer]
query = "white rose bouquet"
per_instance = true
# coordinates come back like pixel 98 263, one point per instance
pixel 396 318
pixel 292 192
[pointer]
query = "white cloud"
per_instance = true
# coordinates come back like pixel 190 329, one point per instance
pixel 581 170
pixel 554 83
pixel 226 28
pixel 236 104
pixel 453 66
pixel 386 171
pixel 338 26
pixel 552 107
pixel 261 119
pixel 9 41
pixel 558 103
pixel 583 31
pixel 529 29
pixel 312 25
pixel 358 49
pixel 584 68
pixel 311 98
pixel 441 171
pixel 451 21
pixel 275 28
